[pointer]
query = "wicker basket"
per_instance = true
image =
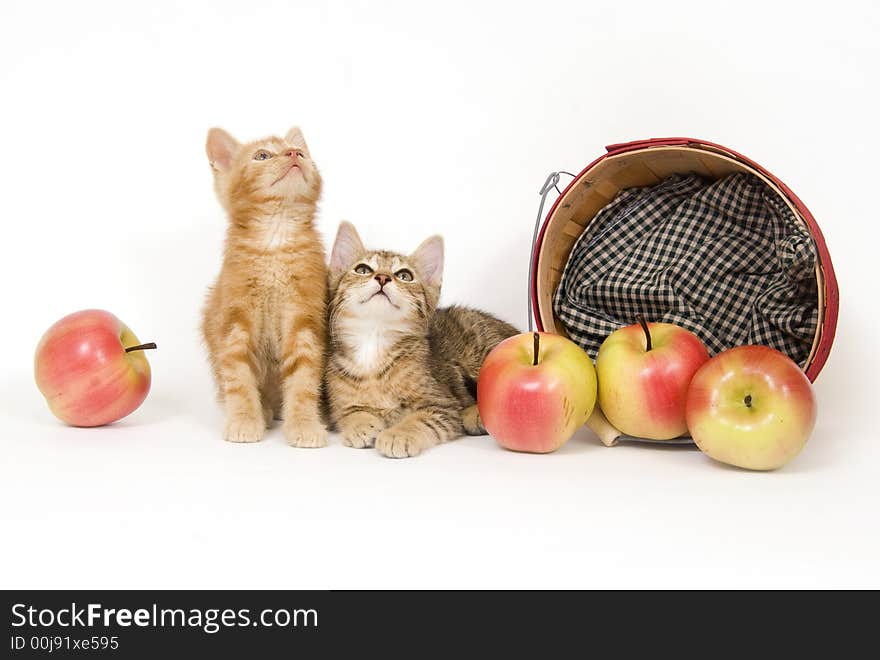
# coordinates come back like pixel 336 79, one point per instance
pixel 645 163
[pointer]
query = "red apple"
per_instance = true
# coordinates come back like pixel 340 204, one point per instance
pixel 751 406
pixel 644 371
pixel 91 368
pixel 535 390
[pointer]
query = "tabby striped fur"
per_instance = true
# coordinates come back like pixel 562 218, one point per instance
pixel 401 375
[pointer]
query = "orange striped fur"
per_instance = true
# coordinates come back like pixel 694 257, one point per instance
pixel 264 320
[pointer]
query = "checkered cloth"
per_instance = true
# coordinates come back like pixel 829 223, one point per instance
pixel 725 259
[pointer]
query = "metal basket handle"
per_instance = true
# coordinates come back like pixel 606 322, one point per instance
pixel 550 183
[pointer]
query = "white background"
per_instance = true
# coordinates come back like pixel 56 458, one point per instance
pixel 424 118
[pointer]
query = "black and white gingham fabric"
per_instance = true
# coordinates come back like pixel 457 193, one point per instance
pixel 725 259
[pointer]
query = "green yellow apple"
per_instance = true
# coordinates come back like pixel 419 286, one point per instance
pixel 751 407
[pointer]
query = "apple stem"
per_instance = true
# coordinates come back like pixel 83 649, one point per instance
pixel 644 324
pixel 748 401
pixel 537 343
pixel 141 347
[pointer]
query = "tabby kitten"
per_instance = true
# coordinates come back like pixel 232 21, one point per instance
pixel 401 376
pixel 264 321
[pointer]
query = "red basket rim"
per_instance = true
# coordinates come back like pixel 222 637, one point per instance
pixel 832 295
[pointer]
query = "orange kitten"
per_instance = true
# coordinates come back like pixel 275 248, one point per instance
pixel 264 318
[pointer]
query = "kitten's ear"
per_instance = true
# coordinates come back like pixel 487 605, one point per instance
pixel 295 138
pixel 347 248
pixel 428 260
pixel 221 148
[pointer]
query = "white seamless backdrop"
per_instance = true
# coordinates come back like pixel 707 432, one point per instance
pixel 424 118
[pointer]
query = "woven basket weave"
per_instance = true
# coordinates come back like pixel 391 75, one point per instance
pixel 646 163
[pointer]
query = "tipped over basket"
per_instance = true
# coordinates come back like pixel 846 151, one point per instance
pixel 647 163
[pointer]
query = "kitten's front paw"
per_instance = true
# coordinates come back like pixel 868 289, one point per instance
pixel 361 435
pixel 396 444
pixel 359 429
pixel 244 429
pixel 309 434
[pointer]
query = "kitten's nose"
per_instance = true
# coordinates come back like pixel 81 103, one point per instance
pixel 382 279
pixel 290 152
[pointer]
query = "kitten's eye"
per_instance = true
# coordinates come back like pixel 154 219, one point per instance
pixel 363 269
pixel 404 275
pixel 262 154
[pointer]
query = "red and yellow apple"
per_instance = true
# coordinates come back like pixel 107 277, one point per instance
pixel 644 371
pixel 91 368
pixel 535 390
pixel 752 407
